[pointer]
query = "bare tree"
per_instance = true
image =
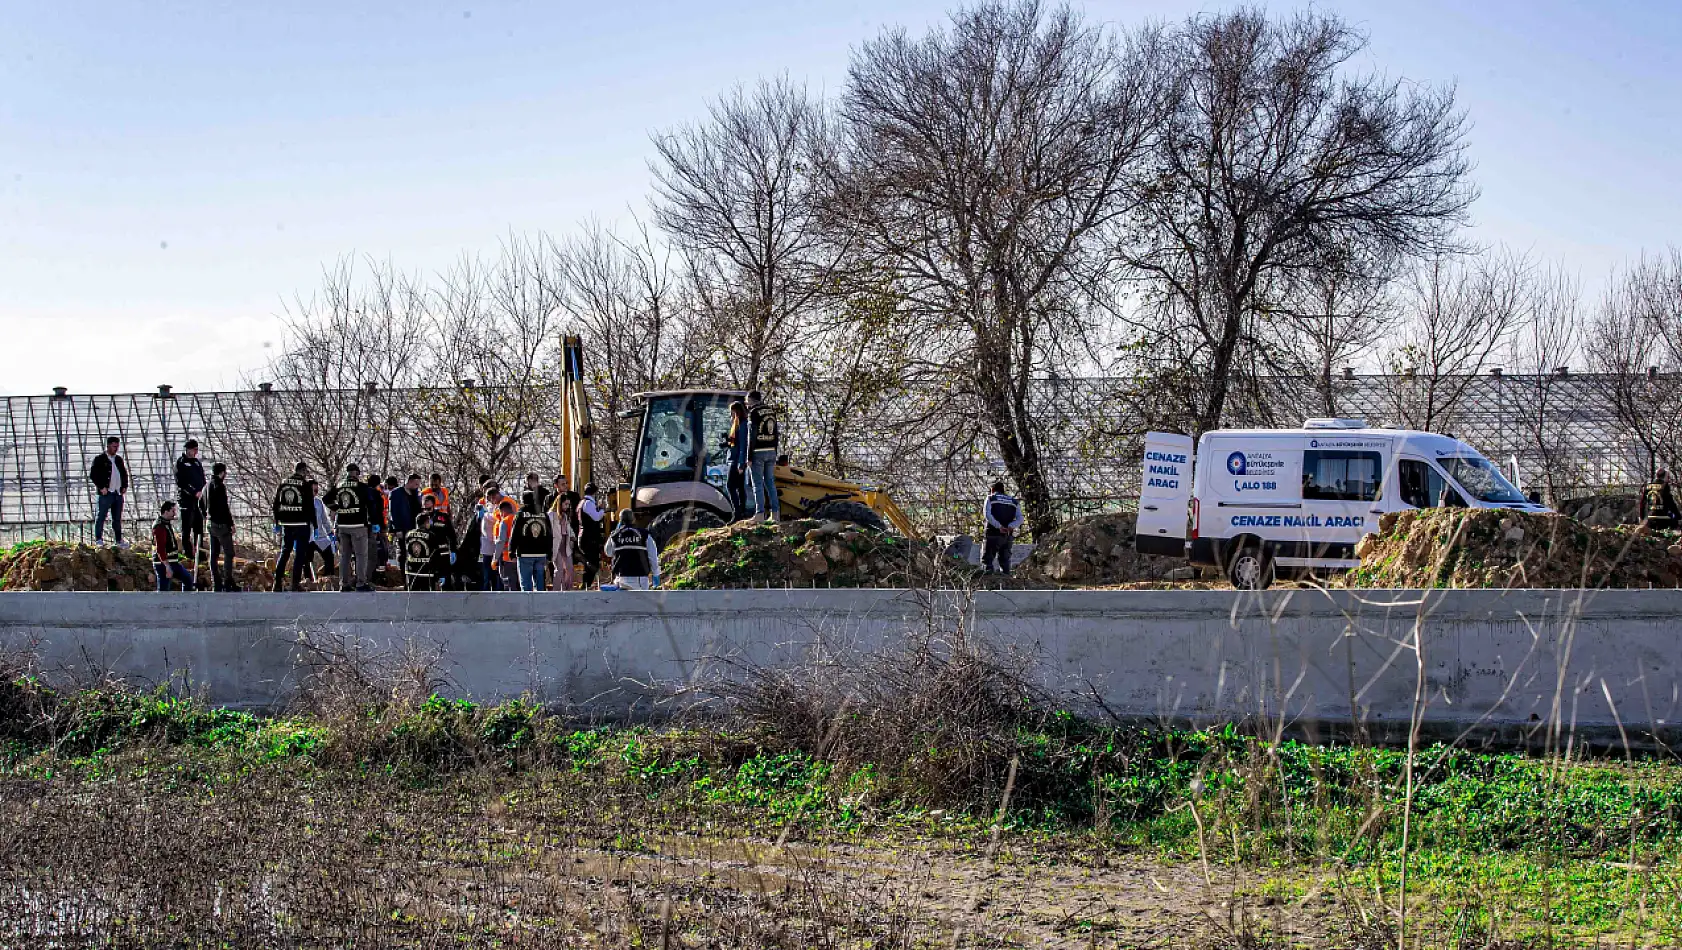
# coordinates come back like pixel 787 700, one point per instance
pixel 1543 348
pixel 329 397
pixel 1276 156
pixel 981 169
pixel 494 356
pixel 622 297
pixel 1330 318
pixel 1459 317
pixel 736 193
pixel 1635 343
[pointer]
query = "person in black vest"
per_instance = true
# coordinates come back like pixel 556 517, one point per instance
pixel 294 518
pixel 166 552
pixel 592 529
pixel 764 436
pixel 109 475
pixel 419 550
pixel 533 539
pixel 351 513
pixel 1004 516
pixel 636 560
pixel 221 515
pixel 1658 504
pixel 189 493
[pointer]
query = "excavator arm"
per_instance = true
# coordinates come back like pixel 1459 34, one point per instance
pixel 576 431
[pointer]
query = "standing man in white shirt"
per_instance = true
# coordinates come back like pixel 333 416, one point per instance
pixel 592 530
pixel 109 475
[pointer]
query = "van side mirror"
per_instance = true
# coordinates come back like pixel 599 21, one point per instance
pixel 1535 496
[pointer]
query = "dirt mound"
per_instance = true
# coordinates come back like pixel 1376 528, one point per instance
pixel 50 565
pixel 801 553
pixel 1603 511
pixel 1457 547
pixel 1097 550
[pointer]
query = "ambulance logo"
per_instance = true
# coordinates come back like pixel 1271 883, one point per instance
pixel 1236 464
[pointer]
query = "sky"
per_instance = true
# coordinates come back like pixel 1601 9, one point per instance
pixel 172 174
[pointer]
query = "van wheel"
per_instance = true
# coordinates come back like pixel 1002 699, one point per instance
pixel 1250 568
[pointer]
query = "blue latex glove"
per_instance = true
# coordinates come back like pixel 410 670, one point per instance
pixel 277 529
pixel 452 557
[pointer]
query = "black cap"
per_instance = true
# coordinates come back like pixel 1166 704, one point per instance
pixel 192 444
pixel 353 467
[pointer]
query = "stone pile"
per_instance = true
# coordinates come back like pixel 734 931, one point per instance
pixel 1463 548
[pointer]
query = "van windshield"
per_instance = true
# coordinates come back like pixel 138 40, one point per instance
pixel 1482 480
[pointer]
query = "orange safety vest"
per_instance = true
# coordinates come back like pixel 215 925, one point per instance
pixel 505 526
pixel 441 495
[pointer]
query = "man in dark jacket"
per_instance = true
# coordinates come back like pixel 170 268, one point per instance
pixel 405 506
pixel 533 540
pixel 166 552
pixel 294 518
pixel 221 529
pixel 352 512
pixel 1003 515
pixel 189 494
pixel 1658 504
pixel 109 475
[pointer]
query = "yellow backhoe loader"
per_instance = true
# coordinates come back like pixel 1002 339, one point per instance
pixel 679 478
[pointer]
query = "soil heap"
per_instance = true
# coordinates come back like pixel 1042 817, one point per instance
pixel 1459 548
pixel 801 553
pixel 52 565
pixel 1097 550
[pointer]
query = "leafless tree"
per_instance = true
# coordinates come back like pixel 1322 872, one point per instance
pixel 736 194
pixel 981 169
pixel 330 393
pixel 1635 342
pixel 1330 317
pixel 1459 317
pixel 1275 157
pixel 493 356
pixel 623 298
pixel 1548 339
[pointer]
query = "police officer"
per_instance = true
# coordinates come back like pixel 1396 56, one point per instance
pixel 636 561
pixel 294 518
pixel 1658 504
pixel 420 555
pixel 189 489
pixel 1004 516
pixel 533 539
pixel 351 511
pixel 764 438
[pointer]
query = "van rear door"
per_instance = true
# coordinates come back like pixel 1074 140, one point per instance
pixel 1164 492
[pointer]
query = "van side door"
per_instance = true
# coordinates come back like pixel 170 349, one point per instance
pixel 1164 493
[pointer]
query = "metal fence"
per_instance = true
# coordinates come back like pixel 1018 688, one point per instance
pixel 1089 443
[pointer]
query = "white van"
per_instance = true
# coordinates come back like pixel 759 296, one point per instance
pixel 1289 501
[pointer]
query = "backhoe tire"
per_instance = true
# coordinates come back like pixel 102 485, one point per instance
pixel 676 523
pixel 852 512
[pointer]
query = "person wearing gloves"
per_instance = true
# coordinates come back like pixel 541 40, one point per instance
pixel 353 514
pixel 636 560
pixel 297 513
pixel 1004 516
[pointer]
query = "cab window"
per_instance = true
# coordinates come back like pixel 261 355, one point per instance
pixel 1422 486
pixel 668 441
pixel 1329 475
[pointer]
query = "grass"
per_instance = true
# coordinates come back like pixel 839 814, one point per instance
pixel 1543 850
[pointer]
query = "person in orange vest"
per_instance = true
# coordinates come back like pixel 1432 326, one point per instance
pixel 438 493
pixel 509 567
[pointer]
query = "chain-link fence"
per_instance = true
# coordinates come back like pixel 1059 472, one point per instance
pixel 1560 430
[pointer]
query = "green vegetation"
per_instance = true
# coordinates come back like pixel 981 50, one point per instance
pixel 1562 848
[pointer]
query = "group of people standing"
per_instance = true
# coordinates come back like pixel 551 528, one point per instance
pixel 201 504
pixel 754 441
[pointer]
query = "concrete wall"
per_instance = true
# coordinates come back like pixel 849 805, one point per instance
pixel 1492 659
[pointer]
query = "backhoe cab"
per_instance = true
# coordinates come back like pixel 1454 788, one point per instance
pixel 681 481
